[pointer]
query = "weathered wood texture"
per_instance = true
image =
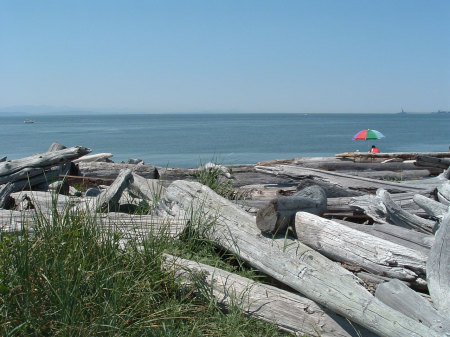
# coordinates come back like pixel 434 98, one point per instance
pixel 309 273
pixel 279 213
pixel 432 161
pixel 400 297
pixel 150 190
pixel 438 268
pixel 43 160
pixel 129 226
pixel 443 193
pixel 344 244
pixel 55 146
pixel 343 180
pixel 109 198
pixel 400 217
pixel 111 170
pixel 99 157
pixel 432 207
pixel 5 192
pixel 402 155
pixel 289 311
pixel 44 202
pixel 332 190
pixel 382 209
pixel 399 235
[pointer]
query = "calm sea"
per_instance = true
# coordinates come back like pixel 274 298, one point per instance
pixel 186 140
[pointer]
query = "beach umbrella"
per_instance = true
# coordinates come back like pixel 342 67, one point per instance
pixel 368 135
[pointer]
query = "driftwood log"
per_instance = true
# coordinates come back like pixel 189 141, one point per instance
pixel 55 146
pixel 309 273
pixel 129 226
pixel 432 207
pixel 43 160
pixel 289 311
pixel 401 155
pixel 438 268
pixel 405 300
pixel 344 244
pixel 443 193
pixel 343 180
pixel 399 235
pixel 382 209
pixel 279 213
pixel 99 157
pixel 427 161
pixel 109 198
pixel 111 170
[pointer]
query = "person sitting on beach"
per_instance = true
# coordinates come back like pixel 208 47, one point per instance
pixel 374 149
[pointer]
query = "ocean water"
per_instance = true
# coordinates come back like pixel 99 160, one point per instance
pixel 187 140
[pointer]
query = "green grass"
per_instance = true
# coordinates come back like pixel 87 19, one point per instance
pixel 69 278
pixel 214 179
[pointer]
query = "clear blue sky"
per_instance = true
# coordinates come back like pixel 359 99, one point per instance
pixel 226 56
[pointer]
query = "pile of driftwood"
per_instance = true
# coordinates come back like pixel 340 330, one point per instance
pixel 353 255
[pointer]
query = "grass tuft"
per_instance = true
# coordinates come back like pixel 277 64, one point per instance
pixel 69 278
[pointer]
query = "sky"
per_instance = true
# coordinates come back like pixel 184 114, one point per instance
pixel 328 56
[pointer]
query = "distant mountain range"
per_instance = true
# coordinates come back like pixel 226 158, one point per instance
pixel 42 109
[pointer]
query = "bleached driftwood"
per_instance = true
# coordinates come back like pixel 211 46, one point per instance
pixel 55 146
pixel 99 157
pixel 309 273
pixel 428 161
pixel 43 201
pixel 400 297
pixel 150 190
pixel 399 235
pixel 344 244
pixel 332 190
pixel 400 217
pixel 382 209
pixel 5 191
pixel 438 267
pixel 401 155
pixel 43 160
pixel 111 170
pixel 443 193
pixel 343 180
pixel 279 213
pixel 129 226
pixel 432 207
pixel 289 311
pixel 108 199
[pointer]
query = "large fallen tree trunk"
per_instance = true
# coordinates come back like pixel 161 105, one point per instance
pixel 438 268
pixel 405 300
pixel 400 217
pixel 427 161
pixel 111 170
pixel 401 155
pixel 289 311
pixel 432 207
pixel 401 236
pixel 344 244
pixel 128 226
pixel 279 213
pixel 43 160
pixel 382 209
pixel 310 273
pixel 343 180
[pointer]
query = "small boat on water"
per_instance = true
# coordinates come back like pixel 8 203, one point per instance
pixel 28 121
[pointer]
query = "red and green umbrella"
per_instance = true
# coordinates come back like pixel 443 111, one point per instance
pixel 368 134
